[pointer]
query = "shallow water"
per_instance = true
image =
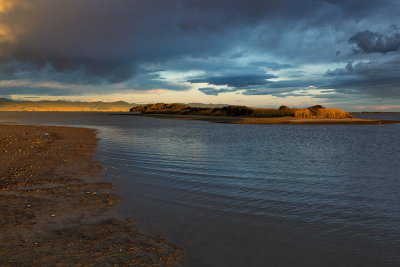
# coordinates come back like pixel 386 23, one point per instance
pixel 254 195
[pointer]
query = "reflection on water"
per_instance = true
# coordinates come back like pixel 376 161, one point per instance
pixel 255 195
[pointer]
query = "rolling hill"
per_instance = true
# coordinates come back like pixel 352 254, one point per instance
pixel 11 105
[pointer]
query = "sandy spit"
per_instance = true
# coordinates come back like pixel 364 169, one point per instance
pixel 249 120
pixel 56 211
pixel 292 120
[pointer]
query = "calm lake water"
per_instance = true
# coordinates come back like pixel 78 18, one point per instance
pixel 254 195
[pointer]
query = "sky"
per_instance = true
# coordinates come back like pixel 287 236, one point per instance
pixel 260 53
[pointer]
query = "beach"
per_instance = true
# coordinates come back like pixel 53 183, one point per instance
pixel 56 210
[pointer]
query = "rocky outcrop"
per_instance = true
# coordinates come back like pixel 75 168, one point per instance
pixel 315 109
pixel 284 108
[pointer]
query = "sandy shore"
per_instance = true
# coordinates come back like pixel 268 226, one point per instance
pixel 55 211
pixel 279 120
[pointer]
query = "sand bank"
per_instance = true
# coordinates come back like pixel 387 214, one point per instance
pixel 279 120
pixel 55 211
pixel 293 120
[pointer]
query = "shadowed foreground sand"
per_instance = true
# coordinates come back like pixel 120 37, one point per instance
pixel 55 212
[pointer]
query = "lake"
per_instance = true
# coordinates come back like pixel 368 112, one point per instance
pixel 254 195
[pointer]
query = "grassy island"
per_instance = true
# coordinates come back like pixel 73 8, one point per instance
pixel 317 111
pixel 247 115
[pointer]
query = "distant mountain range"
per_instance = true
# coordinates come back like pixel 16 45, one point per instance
pixel 119 106
pixel 11 105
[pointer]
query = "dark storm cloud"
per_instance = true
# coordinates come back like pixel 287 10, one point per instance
pixel 230 43
pixel 379 79
pixel 108 40
pixel 370 42
pixel 147 80
pixel 280 88
pixel 290 84
pixel 214 91
pixel 272 65
pixel 269 91
pixel 37 90
pixel 370 78
pixel 239 81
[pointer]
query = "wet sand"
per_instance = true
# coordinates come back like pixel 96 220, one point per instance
pixel 279 120
pixel 56 211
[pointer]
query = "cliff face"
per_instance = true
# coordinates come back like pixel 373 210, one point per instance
pixel 10 105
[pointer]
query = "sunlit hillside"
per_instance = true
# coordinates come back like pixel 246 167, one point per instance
pixel 10 105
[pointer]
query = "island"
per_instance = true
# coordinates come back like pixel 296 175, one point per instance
pixel 316 114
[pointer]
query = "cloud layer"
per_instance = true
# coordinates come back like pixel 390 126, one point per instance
pixel 250 47
pixel 370 42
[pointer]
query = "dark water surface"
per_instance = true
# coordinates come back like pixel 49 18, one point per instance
pixel 254 195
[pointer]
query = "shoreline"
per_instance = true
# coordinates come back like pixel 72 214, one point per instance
pixel 278 120
pixel 56 210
